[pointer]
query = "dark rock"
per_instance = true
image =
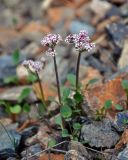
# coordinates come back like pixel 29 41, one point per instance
pixel 99 134
pixel 76 26
pixel 121 121
pixel 12 158
pixel 114 11
pixel 94 62
pixel 31 150
pixel 28 132
pixel 10 140
pixel 123 155
pixel 7 68
pixel 7 153
pixel 117 32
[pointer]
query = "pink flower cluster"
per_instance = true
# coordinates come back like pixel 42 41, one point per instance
pixel 51 40
pixel 33 66
pixel 81 41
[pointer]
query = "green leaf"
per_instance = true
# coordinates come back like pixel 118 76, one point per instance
pixel 24 94
pixel 78 97
pixel 58 120
pixel 16 109
pixel 125 84
pixel 118 107
pixel 52 142
pixel 11 80
pixel 107 104
pixel 66 92
pixel 3 103
pixel 16 56
pixel 41 109
pixel 31 78
pixel 77 110
pixel 69 102
pixel 65 133
pixel 72 79
pixel 92 81
pixel 26 108
pixel 77 126
pixel 66 111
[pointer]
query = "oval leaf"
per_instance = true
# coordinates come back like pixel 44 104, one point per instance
pixel 15 109
pixel 66 111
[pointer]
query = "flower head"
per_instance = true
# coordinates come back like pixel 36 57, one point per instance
pixel 34 66
pixel 51 40
pixel 81 41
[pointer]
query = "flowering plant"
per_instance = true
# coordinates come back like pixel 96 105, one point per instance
pixel 82 43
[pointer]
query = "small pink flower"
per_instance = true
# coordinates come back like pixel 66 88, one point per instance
pixel 51 40
pixel 81 41
pixel 51 52
pixel 33 66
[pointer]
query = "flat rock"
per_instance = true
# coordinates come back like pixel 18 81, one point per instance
pixel 99 134
pixel 13 93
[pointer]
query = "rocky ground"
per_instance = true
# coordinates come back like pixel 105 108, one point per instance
pixel 22 25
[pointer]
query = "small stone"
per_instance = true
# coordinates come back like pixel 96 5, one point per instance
pixel 124 10
pixel 80 150
pixel 99 134
pixel 43 135
pixel 123 155
pixel 121 121
pixel 103 7
pixel 117 32
pixel 76 26
pixel 27 133
pixel 21 72
pixel 31 150
pixel 124 55
pixel 95 63
pixel 30 50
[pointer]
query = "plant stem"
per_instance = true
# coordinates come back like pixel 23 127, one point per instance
pixel 57 79
pixel 42 91
pixel 77 70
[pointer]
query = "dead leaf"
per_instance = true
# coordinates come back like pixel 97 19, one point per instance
pixel 52 157
pixel 123 141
